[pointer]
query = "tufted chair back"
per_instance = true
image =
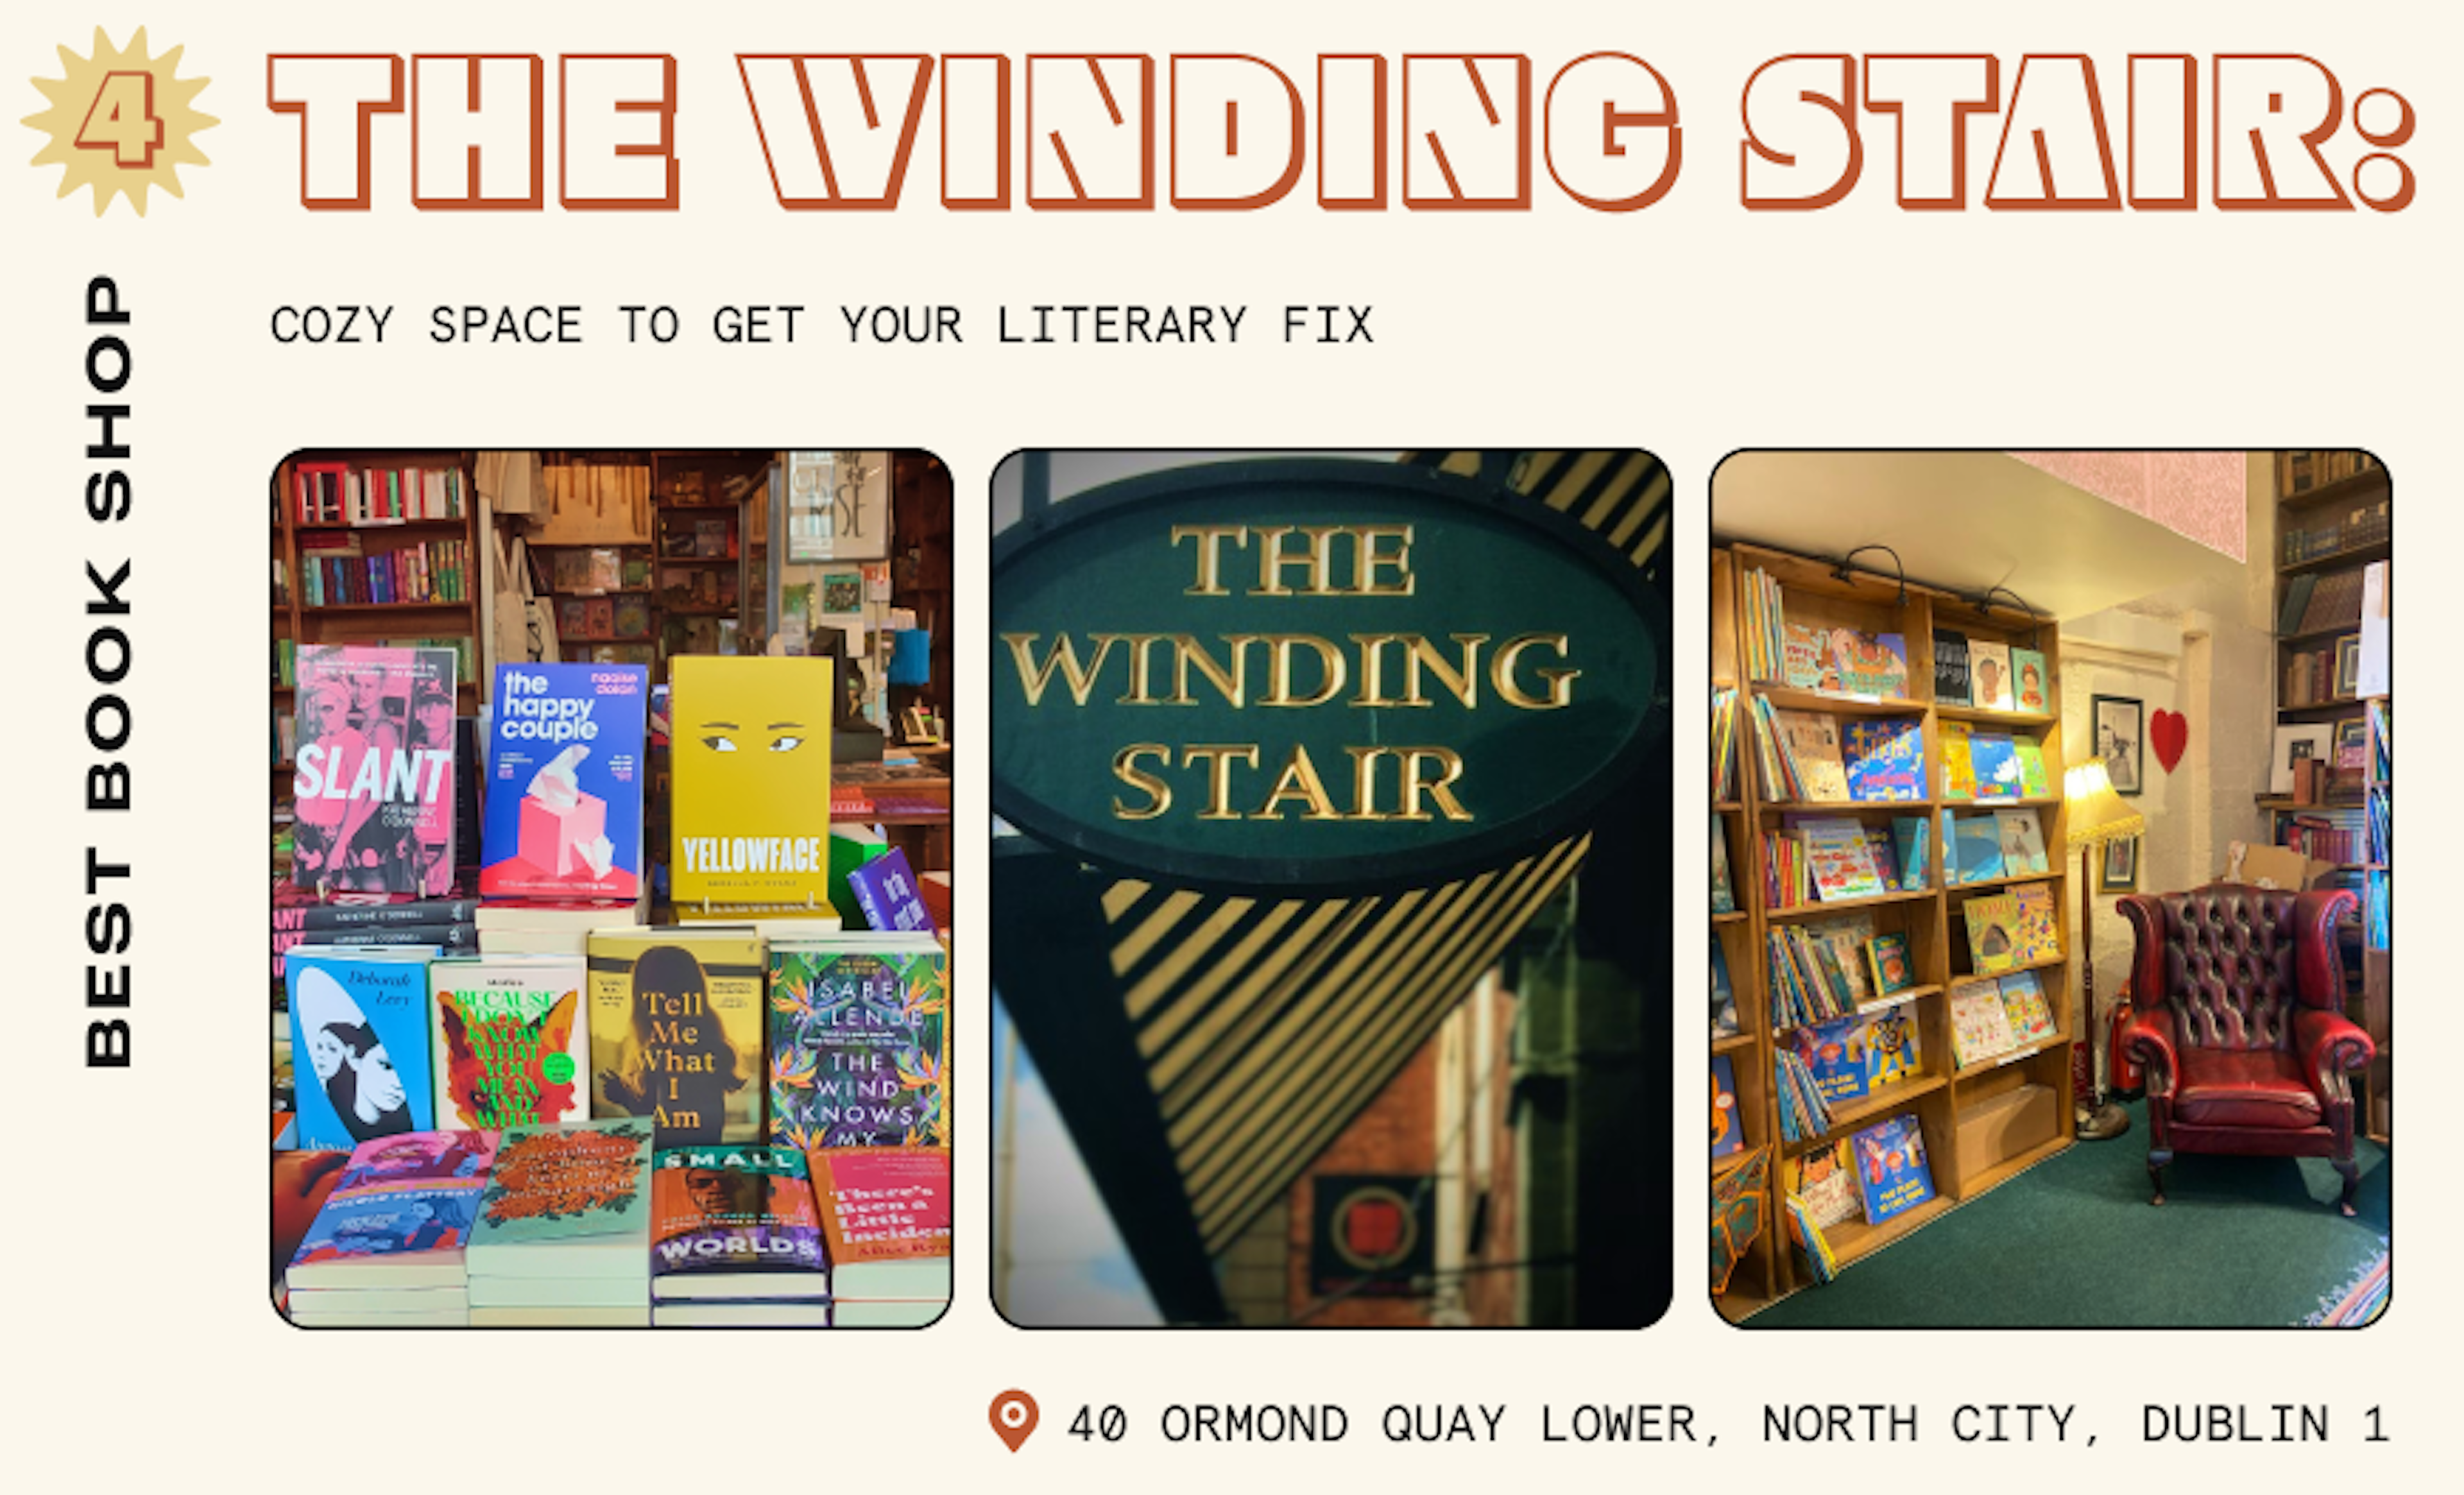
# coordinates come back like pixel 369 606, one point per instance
pixel 2235 963
pixel 2227 955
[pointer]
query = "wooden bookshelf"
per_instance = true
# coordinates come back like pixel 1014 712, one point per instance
pixel 1930 919
pixel 297 536
pixel 2343 500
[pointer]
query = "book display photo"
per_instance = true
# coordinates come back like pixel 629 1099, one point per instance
pixel 1330 790
pixel 2010 934
pixel 592 944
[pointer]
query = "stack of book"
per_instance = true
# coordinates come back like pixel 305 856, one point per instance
pixel 1766 627
pixel 736 1239
pixel 388 1248
pixel 885 1215
pixel 301 918
pixel 1803 1112
pixel 563 1231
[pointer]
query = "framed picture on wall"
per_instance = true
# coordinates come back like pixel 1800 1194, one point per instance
pixel 2348 666
pixel 2121 738
pixel 2120 870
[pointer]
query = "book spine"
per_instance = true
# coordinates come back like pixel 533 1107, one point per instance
pixel 447 936
pixel 365 916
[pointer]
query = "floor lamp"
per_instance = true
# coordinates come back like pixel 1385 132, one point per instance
pixel 2094 817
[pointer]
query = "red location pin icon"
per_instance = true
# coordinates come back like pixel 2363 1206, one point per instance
pixel 1013 1418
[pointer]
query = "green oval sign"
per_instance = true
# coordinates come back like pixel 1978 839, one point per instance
pixel 1312 675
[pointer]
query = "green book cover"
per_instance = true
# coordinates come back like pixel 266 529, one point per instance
pixel 859 1040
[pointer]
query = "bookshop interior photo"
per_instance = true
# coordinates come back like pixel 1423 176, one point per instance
pixel 2052 861
pixel 611 888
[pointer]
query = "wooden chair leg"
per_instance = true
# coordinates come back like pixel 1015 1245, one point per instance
pixel 2351 1171
pixel 2156 1162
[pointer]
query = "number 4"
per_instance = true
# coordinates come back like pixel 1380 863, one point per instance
pixel 122 119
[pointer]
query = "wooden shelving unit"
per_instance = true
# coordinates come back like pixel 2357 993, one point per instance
pixel 1931 920
pixel 2357 501
pixel 298 538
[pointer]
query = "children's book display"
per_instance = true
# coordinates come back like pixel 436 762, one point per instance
pixel 1972 849
pixel 1808 742
pixel 1892 1175
pixel 1992 932
pixel 1841 860
pixel 1727 1120
pixel 1846 661
pixel 2028 680
pixel 558 1114
pixel 1724 994
pixel 1990 1016
pixel 1724 892
pixel 1887 954
pixel 1988 672
pixel 1892 1050
pixel 1885 758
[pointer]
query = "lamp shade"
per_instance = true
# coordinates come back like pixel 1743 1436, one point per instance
pixel 2094 813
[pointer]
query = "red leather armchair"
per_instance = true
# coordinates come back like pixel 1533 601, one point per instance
pixel 2238 1028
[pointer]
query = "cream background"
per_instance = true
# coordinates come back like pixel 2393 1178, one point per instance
pixel 141 1348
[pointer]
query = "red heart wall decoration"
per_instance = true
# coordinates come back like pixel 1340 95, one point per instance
pixel 2168 733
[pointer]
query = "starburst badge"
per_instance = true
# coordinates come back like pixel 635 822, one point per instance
pixel 120 122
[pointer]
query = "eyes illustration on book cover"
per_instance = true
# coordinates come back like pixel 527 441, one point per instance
pixel 785 736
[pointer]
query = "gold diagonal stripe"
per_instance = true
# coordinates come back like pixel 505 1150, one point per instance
pixel 1172 910
pixel 1204 1150
pixel 1193 1106
pixel 1221 920
pixel 1653 497
pixel 1577 478
pixel 1193 1000
pixel 1232 1066
pixel 1423 1018
pixel 1441 978
pixel 1119 897
pixel 1628 474
pixel 1167 1068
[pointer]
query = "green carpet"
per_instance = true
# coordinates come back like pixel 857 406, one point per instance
pixel 2073 1242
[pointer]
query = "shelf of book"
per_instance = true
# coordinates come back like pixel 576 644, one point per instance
pixel 1795 911
pixel 2340 559
pixel 1996 1175
pixel 1985 716
pixel 1927 922
pixel 2334 531
pixel 1847 1120
pixel 2364 482
pixel 1856 1240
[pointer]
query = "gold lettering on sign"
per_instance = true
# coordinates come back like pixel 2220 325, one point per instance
pixel 1210 539
pixel 1125 768
pixel 1219 761
pixel 1559 683
pixel 1379 671
pixel 1033 678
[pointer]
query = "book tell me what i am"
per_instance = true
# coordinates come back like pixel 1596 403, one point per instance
pixel 675 1031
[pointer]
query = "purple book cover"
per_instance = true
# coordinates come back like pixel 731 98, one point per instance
pixel 885 889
